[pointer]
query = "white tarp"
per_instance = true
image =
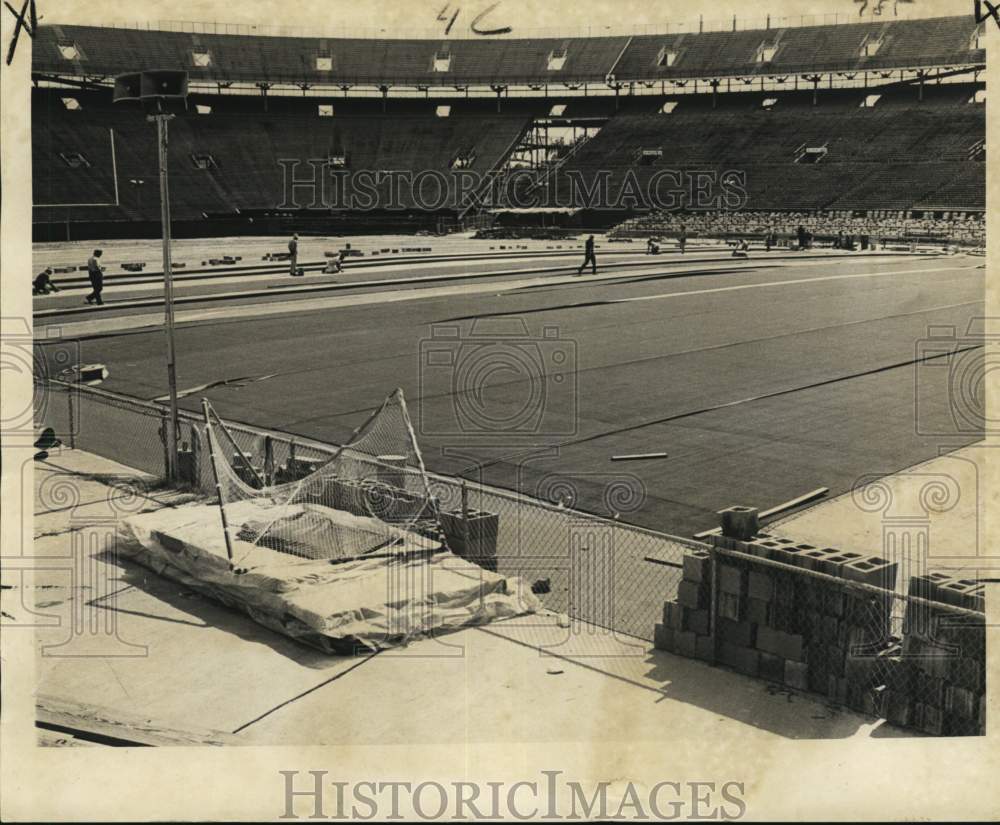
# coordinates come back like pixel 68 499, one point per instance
pixel 383 599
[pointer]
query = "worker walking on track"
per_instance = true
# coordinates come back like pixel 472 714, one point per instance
pixel 96 278
pixel 588 257
pixel 293 255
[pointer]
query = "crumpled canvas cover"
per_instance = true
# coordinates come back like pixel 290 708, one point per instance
pixel 382 599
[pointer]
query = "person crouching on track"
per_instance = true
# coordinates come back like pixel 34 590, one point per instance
pixel 652 247
pixel 588 257
pixel 96 278
pixel 335 265
pixel 741 249
pixel 42 285
pixel 293 255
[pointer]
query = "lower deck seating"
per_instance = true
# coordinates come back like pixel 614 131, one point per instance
pixel 246 158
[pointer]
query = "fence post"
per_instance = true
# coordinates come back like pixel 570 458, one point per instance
pixel 72 423
pixel 465 515
pixel 196 457
pixel 164 424
pixel 268 461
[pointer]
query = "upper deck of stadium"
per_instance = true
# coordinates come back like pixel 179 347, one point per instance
pixel 96 52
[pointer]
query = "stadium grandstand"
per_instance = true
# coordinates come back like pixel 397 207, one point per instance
pixel 860 117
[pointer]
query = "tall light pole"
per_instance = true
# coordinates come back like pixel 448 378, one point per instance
pixel 173 430
pixel 161 92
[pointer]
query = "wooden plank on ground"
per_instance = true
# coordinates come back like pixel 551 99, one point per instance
pixel 774 511
pixel 58 739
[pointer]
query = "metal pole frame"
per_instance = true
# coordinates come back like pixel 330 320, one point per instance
pixel 435 510
pixel 243 456
pixel 299 482
pixel 218 485
pixel 173 427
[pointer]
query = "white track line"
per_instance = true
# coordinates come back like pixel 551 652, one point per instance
pixel 122 323
pixel 782 283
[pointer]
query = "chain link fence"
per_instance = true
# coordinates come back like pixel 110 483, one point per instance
pixel 601 571
pixel 884 637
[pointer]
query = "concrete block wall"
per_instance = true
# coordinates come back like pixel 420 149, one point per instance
pixel 939 686
pixel 686 625
pixel 787 627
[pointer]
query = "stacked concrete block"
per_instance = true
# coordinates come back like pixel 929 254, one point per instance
pixel 295 469
pixel 739 522
pixel 737 631
pixel 824 636
pixel 811 634
pixel 686 626
pixel 946 652
pixel 900 677
pixel 473 535
pixel 246 470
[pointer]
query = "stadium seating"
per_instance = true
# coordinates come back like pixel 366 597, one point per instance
pixel 244 172
pixel 891 156
pixel 879 226
pixel 910 151
pixel 109 51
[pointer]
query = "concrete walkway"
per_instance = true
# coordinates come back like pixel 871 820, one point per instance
pixel 121 642
pixel 937 508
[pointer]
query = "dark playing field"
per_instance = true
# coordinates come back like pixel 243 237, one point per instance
pixel 761 381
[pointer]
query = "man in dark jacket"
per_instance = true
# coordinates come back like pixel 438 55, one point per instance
pixel 96 278
pixel 588 257
pixel 293 250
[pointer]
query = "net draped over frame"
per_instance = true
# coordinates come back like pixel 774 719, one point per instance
pixel 372 497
